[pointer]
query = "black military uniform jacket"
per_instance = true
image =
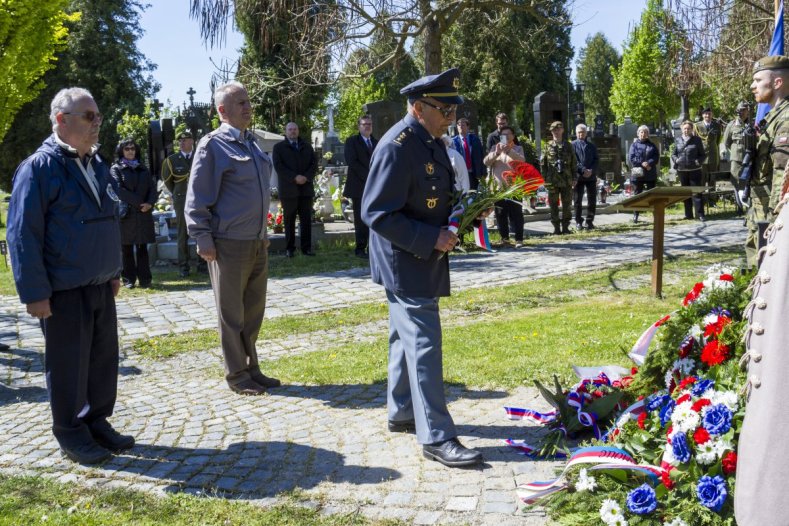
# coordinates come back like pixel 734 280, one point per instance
pixel 408 198
pixel 357 156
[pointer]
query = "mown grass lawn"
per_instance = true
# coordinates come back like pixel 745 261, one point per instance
pixel 27 501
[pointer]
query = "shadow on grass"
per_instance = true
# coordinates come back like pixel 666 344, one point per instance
pixel 245 470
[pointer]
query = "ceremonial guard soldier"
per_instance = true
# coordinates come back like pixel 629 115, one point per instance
pixel 406 203
pixel 557 165
pixel 770 85
pixel 175 175
pixel 739 139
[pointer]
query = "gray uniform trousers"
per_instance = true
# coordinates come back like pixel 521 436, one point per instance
pixel 239 276
pixel 416 373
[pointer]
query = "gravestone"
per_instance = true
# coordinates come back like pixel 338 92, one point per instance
pixel 331 143
pixel 599 126
pixel 627 134
pixel 548 107
pixel 468 110
pixel 385 114
pixel 610 158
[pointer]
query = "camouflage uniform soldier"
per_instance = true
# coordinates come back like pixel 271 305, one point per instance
pixel 740 141
pixel 770 85
pixel 709 132
pixel 557 165
pixel 175 176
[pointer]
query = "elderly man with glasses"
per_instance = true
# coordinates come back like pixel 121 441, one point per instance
pixel 66 256
pixel 406 203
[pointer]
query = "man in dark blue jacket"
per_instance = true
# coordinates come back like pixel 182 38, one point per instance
pixel 406 203
pixel 470 147
pixel 585 178
pixel 64 240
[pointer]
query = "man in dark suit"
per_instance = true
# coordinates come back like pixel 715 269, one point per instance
pixel 470 147
pixel 295 163
pixel 407 204
pixel 358 151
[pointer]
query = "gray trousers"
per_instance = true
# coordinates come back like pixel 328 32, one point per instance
pixel 416 372
pixel 239 276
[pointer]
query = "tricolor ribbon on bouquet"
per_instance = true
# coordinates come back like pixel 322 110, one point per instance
pixel 481 238
pixel 633 411
pixel 575 399
pixel 604 458
pixel 517 413
pixel 639 351
pixel 530 451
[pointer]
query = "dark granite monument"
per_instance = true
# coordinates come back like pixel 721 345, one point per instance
pixel 548 107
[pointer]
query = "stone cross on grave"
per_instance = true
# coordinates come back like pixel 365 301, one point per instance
pixel 191 94
pixel 331 132
pixel 156 107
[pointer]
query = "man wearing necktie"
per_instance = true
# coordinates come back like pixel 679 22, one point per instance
pixel 358 152
pixel 175 175
pixel 295 163
pixel 709 131
pixel 470 147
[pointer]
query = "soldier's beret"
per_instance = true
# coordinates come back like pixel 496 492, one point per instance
pixel 556 124
pixel 442 87
pixel 743 106
pixel 772 62
pixel 186 134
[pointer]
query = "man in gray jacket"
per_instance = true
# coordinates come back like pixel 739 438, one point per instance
pixel 229 190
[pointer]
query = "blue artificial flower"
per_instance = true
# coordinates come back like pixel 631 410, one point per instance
pixel 720 311
pixel 656 401
pixel 679 446
pixel 667 411
pixel 712 492
pixel 642 500
pixel 717 420
pixel 701 386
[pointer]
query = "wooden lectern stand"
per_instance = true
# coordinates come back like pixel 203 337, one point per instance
pixel 657 199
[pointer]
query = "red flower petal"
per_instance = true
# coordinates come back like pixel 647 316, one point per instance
pixel 701 435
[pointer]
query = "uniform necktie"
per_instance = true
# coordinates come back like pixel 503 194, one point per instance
pixel 369 144
pixel 467 153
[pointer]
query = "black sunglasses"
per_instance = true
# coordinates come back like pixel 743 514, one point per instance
pixel 446 111
pixel 89 116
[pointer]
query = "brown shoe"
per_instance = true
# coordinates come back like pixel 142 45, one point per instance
pixel 261 379
pixel 248 387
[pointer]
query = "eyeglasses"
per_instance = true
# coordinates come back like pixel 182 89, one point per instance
pixel 446 111
pixel 129 149
pixel 89 116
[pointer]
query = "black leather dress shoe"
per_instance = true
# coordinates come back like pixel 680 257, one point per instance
pixel 104 435
pixel 402 426
pixel 88 453
pixel 265 381
pixel 451 453
pixel 248 387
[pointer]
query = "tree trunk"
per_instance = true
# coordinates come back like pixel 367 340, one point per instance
pixel 432 40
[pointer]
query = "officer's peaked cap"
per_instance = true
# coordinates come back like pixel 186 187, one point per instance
pixel 186 134
pixel 442 87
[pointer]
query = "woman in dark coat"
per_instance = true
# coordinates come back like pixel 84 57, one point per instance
pixel 688 155
pixel 643 155
pixel 137 192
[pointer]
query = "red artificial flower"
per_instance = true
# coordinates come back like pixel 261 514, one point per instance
pixel 699 404
pixel 683 398
pixel 686 346
pixel 640 397
pixel 665 478
pixel 597 393
pixel 701 436
pixel 726 277
pixel 729 463
pixel 714 353
pixel 641 419
pixel 633 370
pixel 613 434
pixel 714 329
pixel 693 295
pixel 689 380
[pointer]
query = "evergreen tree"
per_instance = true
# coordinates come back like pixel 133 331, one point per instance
pixel 595 62
pixel 31 31
pixel 640 89
pixel 102 57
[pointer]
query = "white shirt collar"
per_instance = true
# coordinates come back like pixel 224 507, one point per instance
pixel 71 149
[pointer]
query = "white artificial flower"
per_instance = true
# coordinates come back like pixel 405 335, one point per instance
pixel 722 446
pixel 585 482
pixel 610 510
pixel 717 269
pixel 684 365
pixel 709 394
pixel 676 522
pixel 684 418
pixel 727 398
pixel 668 456
pixel 619 520
pixel 696 332
pixel 710 318
pixel 669 378
pixel 706 453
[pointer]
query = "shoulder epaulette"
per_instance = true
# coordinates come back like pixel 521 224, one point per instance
pixel 403 136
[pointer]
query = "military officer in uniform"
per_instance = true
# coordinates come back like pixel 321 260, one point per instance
pixel 406 204
pixel 739 139
pixel 175 175
pixel 557 165
pixel 771 86
pixel 709 132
